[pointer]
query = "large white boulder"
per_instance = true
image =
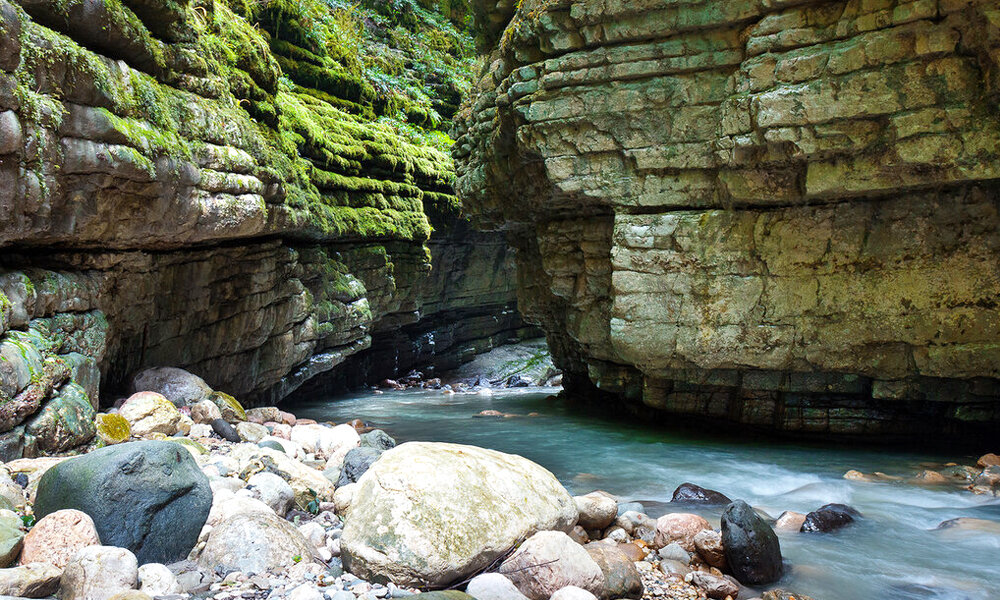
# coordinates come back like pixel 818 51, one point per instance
pixel 433 513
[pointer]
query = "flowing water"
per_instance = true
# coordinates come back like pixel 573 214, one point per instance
pixel 893 554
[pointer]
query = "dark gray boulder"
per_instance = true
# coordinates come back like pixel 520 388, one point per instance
pixel 830 517
pixel 750 545
pixel 356 462
pixel 695 494
pixel 148 497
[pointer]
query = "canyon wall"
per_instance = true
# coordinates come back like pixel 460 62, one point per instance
pixel 216 186
pixel 776 214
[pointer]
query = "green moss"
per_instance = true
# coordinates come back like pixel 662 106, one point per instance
pixel 112 429
pixel 228 405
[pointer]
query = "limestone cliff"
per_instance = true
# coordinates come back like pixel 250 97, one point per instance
pixel 781 214
pixel 244 189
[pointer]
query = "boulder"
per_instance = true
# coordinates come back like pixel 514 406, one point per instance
pixel 148 413
pixel 549 561
pixel 790 521
pixel 264 414
pixel 680 528
pixel 149 497
pixel 227 504
pixel 177 385
pixel 57 537
pixel 493 586
pixel 708 543
pixel 66 421
pixel 98 573
pixel 571 592
pixel 716 587
pixel 232 411
pixel 112 429
pixel 254 544
pixel 344 497
pixel 11 537
pixel 157 580
pixel 205 412
pixel 673 551
pixel 377 439
pixel 481 501
pixel 356 462
pixel 673 568
pixel 597 510
pixel 829 518
pixel 273 491
pixel 621 578
pixel 988 460
pixel 690 493
pixel 36 580
pixel 751 548
pixel 251 432
pixel 226 431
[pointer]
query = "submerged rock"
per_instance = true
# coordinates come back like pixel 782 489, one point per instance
pixel 751 547
pixel 148 497
pixel 432 513
pixel 690 493
pixel 829 518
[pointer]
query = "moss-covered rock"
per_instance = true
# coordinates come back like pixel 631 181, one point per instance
pixel 112 429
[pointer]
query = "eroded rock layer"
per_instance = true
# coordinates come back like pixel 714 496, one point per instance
pixel 219 185
pixel 782 214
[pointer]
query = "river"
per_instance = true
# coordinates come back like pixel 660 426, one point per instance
pixel 893 554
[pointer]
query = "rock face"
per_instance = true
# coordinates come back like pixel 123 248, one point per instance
pixel 480 501
pixel 166 202
pixel 750 545
pixel 148 497
pixel 715 201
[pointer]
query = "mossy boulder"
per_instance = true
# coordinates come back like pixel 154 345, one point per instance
pixel 232 410
pixel 149 497
pixel 432 514
pixel 66 421
pixel 112 429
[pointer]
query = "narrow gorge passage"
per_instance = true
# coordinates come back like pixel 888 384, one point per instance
pixel 630 299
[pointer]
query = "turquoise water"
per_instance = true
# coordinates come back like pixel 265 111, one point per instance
pixel 892 555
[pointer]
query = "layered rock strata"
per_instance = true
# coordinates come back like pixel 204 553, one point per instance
pixel 782 214
pixel 205 185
